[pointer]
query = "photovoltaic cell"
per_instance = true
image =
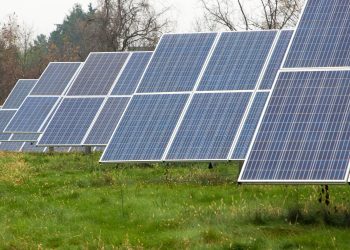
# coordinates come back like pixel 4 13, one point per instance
pixel 209 127
pixel 146 128
pixel 25 137
pixel 238 60
pixel 107 121
pixel 276 59
pixel 250 126
pixel 177 62
pixel 19 93
pixel 31 115
pixel 132 73
pixel 304 135
pixel 98 74
pixel 55 78
pixel 322 37
pixel 71 121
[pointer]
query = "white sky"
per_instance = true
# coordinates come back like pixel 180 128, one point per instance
pixel 42 15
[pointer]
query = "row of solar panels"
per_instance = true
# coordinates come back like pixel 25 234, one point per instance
pixel 207 96
pixel 85 103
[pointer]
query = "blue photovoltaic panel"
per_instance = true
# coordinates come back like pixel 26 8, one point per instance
pixel 32 148
pixel 250 126
pixel 209 127
pixel 322 37
pixel 304 135
pixel 238 60
pixel 177 62
pixel 132 73
pixel 19 93
pixel 5 118
pixel 25 137
pixel 276 59
pixel 98 74
pixel 11 146
pixel 31 115
pixel 71 121
pixel 55 78
pixel 107 121
pixel 146 128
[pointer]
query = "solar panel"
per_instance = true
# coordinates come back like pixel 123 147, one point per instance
pixel 11 146
pixel 31 115
pixel 32 148
pixel 209 127
pixel 107 121
pixel 132 73
pixel 25 137
pixel 55 78
pixel 146 128
pixel 5 118
pixel 19 93
pixel 276 59
pixel 98 74
pixel 177 62
pixel 71 121
pixel 304 135
pixel 250 126
pixel 238 60
pixel 322 37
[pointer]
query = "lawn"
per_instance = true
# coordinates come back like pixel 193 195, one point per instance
pixel 69 201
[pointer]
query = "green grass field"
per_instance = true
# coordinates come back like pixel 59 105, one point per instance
pixel 69 201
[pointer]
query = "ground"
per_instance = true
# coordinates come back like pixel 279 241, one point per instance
pixel 69 201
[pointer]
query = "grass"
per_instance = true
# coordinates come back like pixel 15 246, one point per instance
pixel 69 201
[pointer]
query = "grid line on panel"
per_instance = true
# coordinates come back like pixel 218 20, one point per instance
pixel 30 117
pixel 71 121
pixel 209 126
pixel 238 60
pixel 98 74
pixel 107 121
pixel 55 78
pixel 177 63
pixel 145 129
pixel 19 93
pixel 132 73
pixel 276 59
pixel 250 126
pixel 304 133
pixel 321 39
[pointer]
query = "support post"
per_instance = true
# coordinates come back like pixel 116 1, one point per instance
pixel 88 150
pixel 240 166
pixel 51 150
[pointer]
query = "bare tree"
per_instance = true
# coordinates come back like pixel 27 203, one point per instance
pixel 259 14
pixel 121 24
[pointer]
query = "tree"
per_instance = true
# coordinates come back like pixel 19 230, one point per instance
pixel 123 24
pixel 239 15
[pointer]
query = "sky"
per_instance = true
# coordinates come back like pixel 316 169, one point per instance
pixel 42 15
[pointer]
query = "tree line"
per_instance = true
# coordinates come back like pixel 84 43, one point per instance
pixel 119 25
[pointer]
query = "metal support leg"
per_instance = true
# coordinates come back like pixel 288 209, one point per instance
pixel 88 150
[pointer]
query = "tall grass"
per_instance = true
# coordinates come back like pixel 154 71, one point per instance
pixel 69 201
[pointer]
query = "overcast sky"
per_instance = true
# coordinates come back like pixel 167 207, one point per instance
pixel 42 15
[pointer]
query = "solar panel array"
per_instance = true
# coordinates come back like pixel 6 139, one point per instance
pixel 83 119
pixel 210 105
pixel 322 37
pixel 303 135
pixel 19 93
pixel 43 99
